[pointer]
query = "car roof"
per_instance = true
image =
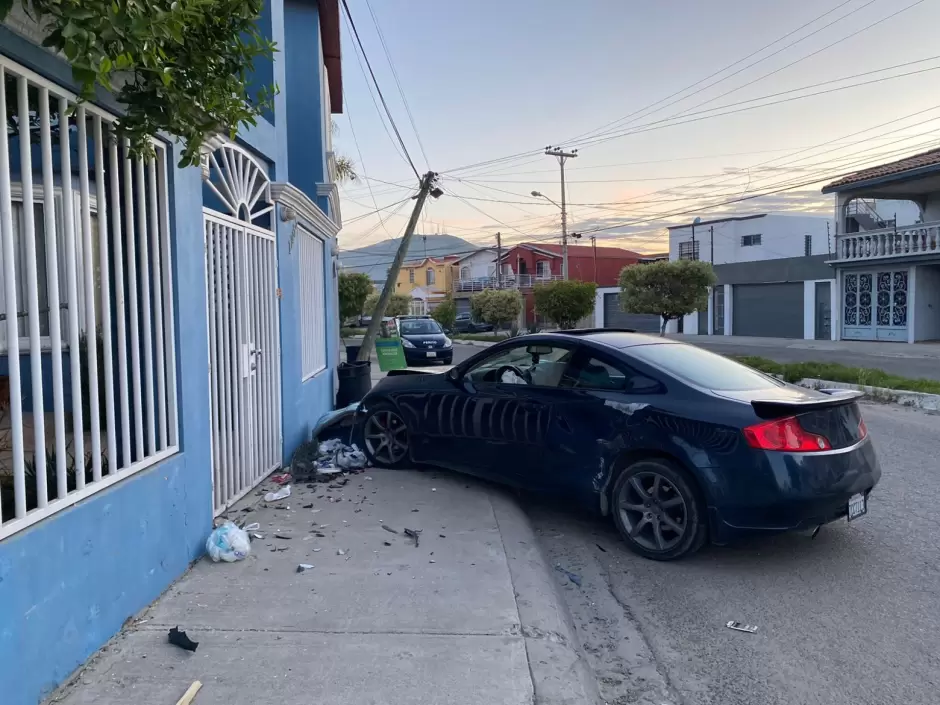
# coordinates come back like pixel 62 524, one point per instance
pixel 615 338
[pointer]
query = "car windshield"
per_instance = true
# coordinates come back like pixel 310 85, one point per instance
pixel 420 326
pixel 702 368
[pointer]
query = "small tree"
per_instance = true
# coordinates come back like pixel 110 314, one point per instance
pixel 446 313
pixel 499 308
pixel 354 289
pixel 565 303
pixel 668 289
pixel 398 304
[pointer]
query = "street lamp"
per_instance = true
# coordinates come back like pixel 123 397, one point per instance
pixel 564 232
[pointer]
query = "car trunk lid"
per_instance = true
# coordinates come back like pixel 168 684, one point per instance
pixel 833 413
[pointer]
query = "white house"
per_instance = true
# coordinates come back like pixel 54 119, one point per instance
pixel 773 276
pixel 888 265
pixel 477 265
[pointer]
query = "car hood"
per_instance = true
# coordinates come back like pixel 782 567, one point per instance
pixel 420 338
pixel 420 371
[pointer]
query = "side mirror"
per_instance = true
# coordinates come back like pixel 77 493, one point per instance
pixel 453 375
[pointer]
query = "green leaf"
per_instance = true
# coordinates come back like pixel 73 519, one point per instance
pixel 5 7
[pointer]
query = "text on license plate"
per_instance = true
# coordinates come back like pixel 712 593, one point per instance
pixel 858 506
pixel 432 354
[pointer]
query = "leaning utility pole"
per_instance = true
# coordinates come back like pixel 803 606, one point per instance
pixel 594 247
pixel 563 156
pixel 499 257
pixel 711 240
pixel 428 186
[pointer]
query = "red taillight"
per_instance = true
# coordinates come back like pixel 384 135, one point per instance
pixel 784 434
pixel 862 429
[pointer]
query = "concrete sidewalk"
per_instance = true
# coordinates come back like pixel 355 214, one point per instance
pixel 472 615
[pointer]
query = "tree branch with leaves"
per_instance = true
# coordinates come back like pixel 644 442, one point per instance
pixel 182 67
pixel 670 290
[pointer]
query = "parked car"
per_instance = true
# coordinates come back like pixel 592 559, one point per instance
pixel 466 324
pixel 424 340
pixel 679 445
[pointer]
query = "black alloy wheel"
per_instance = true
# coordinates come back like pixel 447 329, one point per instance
pixel 385 437
pixel 657 511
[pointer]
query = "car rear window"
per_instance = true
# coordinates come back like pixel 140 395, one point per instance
pixel 702 368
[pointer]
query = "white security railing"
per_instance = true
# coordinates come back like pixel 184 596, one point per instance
pixel 507 281
pixel 919 239
pixel 86 302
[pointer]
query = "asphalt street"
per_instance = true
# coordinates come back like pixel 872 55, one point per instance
pixel 848 618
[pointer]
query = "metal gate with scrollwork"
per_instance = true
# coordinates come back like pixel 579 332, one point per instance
pixel 244 353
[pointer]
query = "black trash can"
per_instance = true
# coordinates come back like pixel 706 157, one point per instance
pixel 355 381
pixel 352 352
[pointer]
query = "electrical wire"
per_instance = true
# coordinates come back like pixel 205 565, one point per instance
pixel 626 118
pixel 684 113
pixel 378 89
pixel 401 92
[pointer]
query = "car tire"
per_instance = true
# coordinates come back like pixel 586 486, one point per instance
pixel 658 510
pixel 383 419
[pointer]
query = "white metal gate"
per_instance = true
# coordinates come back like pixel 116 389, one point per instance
pixel 244 345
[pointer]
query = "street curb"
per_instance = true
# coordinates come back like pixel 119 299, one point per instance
pixel 914 400
pixel 559 671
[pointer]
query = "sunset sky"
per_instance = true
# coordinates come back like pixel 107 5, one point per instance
pixel 487 80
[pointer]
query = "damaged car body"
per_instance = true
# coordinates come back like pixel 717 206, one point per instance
pixel 677 444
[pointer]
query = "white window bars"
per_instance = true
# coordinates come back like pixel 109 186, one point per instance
pixel 88 320
pixel 312 304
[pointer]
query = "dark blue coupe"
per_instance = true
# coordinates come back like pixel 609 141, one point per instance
pixel 677 444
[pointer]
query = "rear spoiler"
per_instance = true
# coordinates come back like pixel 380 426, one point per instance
pixel 774 408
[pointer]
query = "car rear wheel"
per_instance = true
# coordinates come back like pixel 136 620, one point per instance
pixel 657 511
pixel 385 437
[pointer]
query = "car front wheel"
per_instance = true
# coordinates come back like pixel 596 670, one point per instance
pixel 385 437
pixel 657 510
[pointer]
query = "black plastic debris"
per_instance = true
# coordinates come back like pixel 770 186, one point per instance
pixel 178 638
pixel 389 529
pixel 414 534
pixel 603 550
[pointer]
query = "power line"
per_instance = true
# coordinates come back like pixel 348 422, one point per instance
pixel 686 112
pixel 377 211
pixel 599 130
pixel 401 91
pixel 378 89
pixel 532 153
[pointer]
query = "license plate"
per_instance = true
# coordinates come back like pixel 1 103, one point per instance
pixel 432 354
pixel 858 506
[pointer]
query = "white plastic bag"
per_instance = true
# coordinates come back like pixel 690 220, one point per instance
pixel 228 543
pixel 282 493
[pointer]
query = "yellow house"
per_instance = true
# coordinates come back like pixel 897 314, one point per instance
pixel 426 281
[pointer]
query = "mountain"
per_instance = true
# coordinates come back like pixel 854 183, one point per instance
pixel 375 260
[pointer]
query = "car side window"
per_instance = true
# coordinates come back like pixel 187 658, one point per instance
pixel 535 365
pixel 591 373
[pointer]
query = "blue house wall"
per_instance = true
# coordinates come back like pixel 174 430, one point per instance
pixel 69 582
